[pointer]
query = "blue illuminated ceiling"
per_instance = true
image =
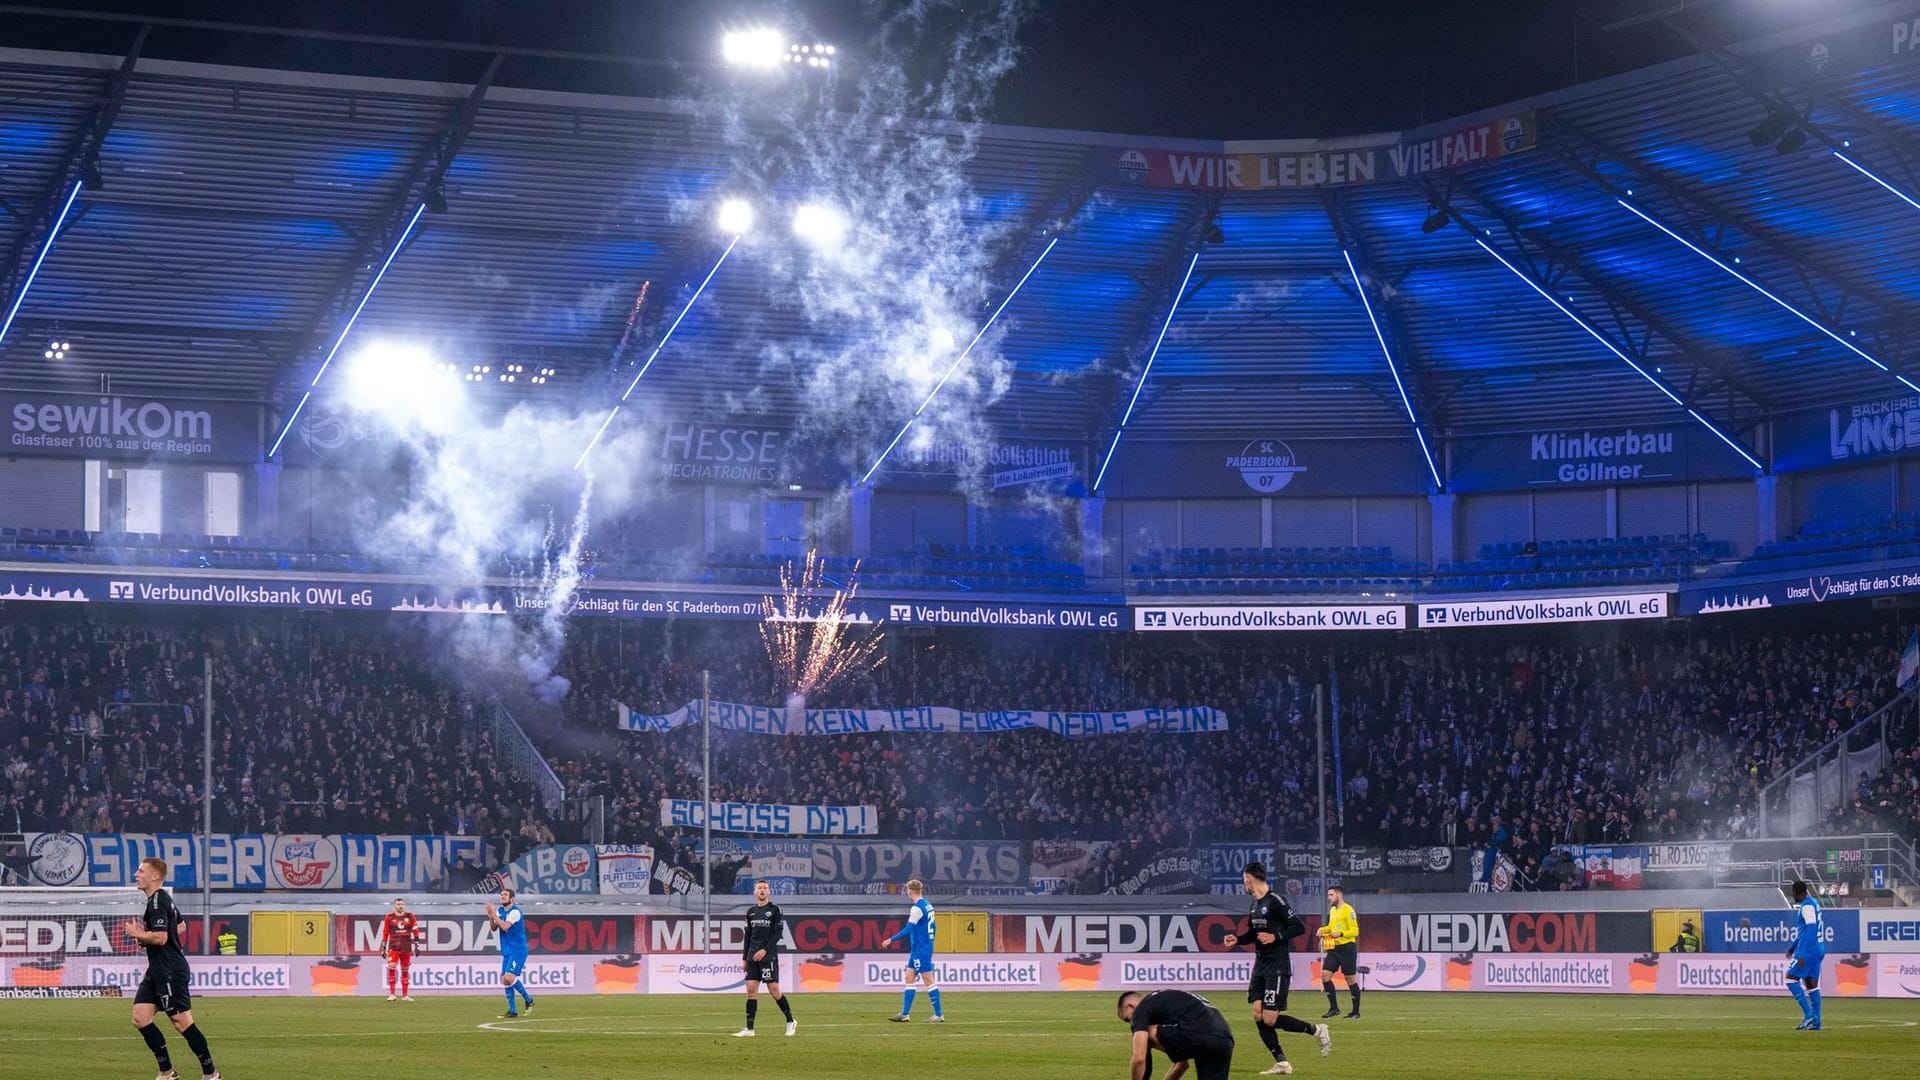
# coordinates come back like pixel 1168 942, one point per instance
pixel 233 202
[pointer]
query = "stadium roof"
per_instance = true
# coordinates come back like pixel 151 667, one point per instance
pixel 231 217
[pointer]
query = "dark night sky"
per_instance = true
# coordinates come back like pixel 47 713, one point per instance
pixel 1200 69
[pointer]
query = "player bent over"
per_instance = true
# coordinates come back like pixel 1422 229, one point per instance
pixel 399 935
pixel 920 934
pixel 1807 953
pixel 513 948
pixel 761 956
pixel 166 986
pixel 1185 1027
pixel 1270 928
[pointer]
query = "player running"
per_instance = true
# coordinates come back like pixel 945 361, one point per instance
pixel 399 935
pixel 1270 928
pixel 1807 953
pixel 168 980
pixel 919 933
pixel 513 948
pixel 1341 938
pixel 761 956
pixel 1186 1027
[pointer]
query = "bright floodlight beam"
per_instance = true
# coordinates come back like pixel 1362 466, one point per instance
pixel 1757 287
pixel 20 295
pixel 347 327
pixel 761 48
pixel 1608 345
pixel 1114 446
pixel 822 225
pixel 1405 400
pixel 958 360
pixel 736 217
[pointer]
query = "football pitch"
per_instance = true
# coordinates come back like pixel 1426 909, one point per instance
pixel 1003 1035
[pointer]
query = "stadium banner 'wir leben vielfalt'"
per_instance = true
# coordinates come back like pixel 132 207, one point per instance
pixel 774 720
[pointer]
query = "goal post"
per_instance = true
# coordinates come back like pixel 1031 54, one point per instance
pixel 69 939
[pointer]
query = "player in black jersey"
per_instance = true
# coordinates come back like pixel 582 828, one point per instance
pixel 762 957
pixel 1270 929
pixel 167 984
pixel 1186 1027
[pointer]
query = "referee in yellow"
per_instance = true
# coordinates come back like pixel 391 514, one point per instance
pixel 1340 936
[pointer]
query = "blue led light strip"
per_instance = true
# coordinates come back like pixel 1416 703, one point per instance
pixel 1405 401
pixel 655 355
pixel 1757 287
pixel 958 360
pixel 1869 174
pixel 1144 372
pixel 347 327
pixel 34 271
pixel 1624 358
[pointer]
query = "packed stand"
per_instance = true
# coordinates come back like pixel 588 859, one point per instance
pixel 320 728
pixel 1644 735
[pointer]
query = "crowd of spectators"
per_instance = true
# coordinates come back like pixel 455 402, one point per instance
pixel 320 727
pixel 1493 741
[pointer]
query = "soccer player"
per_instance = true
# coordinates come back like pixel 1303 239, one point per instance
pixel 1270 929
pixel 399 934
pixel 919 933
pixel 1341 938
pixel 1186 1027
pixel 166 987
pixel 513 948
pixel 1807 953
pixel 761 955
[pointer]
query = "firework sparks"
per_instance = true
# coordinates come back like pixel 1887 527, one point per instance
pixel 812 646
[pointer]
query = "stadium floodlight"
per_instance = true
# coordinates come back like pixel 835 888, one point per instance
pixel 735 217
pixel 53 233
pixel 1871 175
pixel 1608 345
pixel 57 349
pixel 1405 400
pixel 547 373
pixel 1757 287
pixel 820 224
pixel 286 428
pixel 760 48
pixel 958 360
pixel 405 385
pixel 1144 372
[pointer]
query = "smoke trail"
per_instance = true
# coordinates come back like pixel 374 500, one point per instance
pixel 890 305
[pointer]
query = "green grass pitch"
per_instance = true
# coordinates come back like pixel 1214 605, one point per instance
pixel 1005 1035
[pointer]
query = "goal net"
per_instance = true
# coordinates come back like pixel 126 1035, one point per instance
pixel 69 939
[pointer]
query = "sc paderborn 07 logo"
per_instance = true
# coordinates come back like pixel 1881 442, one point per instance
pixel 1267 465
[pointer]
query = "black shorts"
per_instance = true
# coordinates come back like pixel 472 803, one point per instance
pixel 765 971
pixel 1271 978
pixel 170 993
pixel 1342 958
pixel 1210 1049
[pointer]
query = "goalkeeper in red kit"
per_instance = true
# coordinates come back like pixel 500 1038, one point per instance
pixel 400 935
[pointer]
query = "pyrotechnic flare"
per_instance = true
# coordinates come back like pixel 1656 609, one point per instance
pixel 813 649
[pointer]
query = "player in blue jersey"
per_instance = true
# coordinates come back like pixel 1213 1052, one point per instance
pixel 1805 955
pixel 919 932
pixel 513 948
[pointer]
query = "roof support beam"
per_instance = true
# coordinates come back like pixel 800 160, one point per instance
pixel 55 203
pixel 1850 313
pixel 1710 378
pixel 1545 283
pixel 1386 328
pixel 1107 386
pixel 394 226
